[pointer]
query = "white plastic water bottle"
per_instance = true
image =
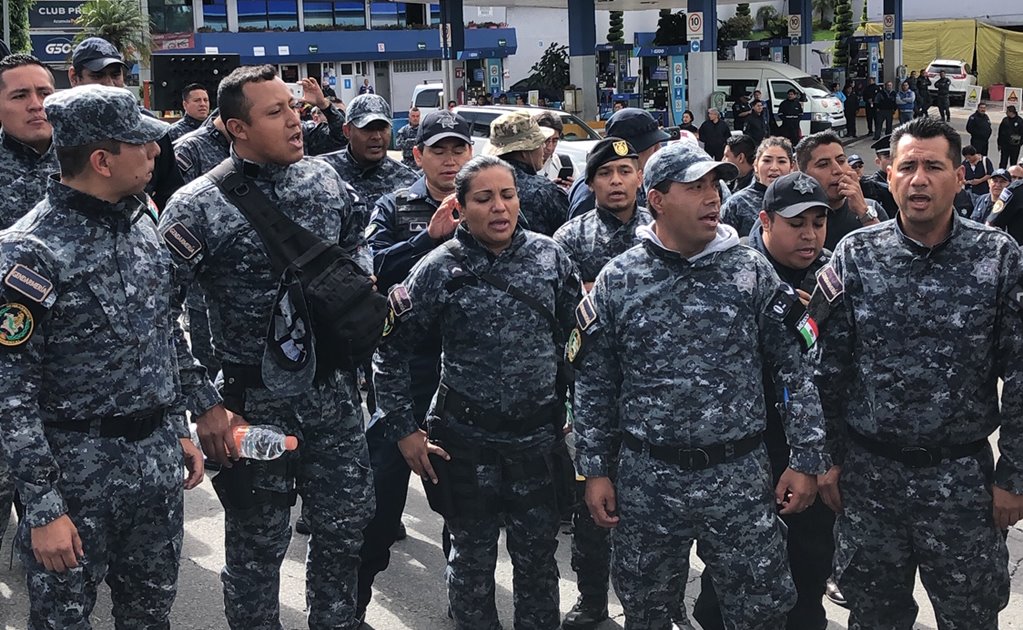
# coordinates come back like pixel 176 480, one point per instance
pixel 262 441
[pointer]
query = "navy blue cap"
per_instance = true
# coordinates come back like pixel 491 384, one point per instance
pixel 95 53
pixel 636 126
pixel 793 194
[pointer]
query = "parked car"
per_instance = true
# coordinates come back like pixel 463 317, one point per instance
pixel 428 97
pixel 577 138
pixel 958 72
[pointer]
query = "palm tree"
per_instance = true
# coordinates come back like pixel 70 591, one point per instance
pixel 120 22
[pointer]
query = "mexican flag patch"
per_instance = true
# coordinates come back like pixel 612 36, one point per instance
pixel 807 329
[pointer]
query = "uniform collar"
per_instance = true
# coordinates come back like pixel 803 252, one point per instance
pixel 116 217
pixel 611 220
pixel 471 243
pixel 919 248
pixel 364 170
pixel 263 172
pixel 21 149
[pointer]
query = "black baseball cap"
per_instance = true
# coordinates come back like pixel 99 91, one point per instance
pixel 793 194
pixel 95 53
pixel 636 126
pixel 607 150
pixel 855 159
pixel 1002 173
pixel 441 124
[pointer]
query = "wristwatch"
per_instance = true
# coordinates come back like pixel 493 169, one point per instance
pixel 869 215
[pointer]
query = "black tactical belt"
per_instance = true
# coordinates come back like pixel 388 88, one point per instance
pixel 132 428
pixel 695 458
pixel 916 456
pixel 451 403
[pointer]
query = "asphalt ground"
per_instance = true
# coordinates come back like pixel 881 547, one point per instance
pixel 411 594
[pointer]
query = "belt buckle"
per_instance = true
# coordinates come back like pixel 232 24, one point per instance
pixel 919 457
pixel 693 458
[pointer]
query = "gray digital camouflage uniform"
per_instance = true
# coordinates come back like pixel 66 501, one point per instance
pixel 742 208
pixel 672 354
pixel 916 342
pixel 185 124
pixel 509 374
pixel 543 206
pixel 591 240
pixel 370 182
pixel 23 174
pixel 404 140
pixel 95 342
pixel 224 256
pixel 199 151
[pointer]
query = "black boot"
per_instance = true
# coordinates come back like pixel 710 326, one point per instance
pixel 834 594
pixel 587 613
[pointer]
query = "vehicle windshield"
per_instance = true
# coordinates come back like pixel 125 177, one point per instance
pixel 428 98
pixel 576 129
pixel 812 83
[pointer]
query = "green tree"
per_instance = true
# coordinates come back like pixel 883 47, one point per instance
pixel 824 6
pixel 843 31
pixel 120 22
pixel 864 18
pixel 735 28
pixel 616 28
pixel 552 69
pixel 765 14
pixel 671 28
pixel 20 41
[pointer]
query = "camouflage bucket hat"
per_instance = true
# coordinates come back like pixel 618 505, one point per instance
pixel 91 113
pixel 366 108
pixel 684 162
pixel 514 131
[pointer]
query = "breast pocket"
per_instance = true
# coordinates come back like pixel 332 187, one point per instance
pixel 108 302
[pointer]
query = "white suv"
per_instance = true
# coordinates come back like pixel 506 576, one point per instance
pixel 956 72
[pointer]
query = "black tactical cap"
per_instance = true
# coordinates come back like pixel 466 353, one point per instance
pixel 442 124
pixel 607 150
pixel 636 126
pixel 793 194
pixel 883 146
pixel 95 53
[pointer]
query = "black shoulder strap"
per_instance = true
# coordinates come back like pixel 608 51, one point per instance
pixel 503 285
pixel 285 241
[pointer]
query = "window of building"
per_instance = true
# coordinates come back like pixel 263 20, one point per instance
pixel 214 15
pixel 337 14
pixel 411 65
pixel 263 15
pixel 387 14
pixel 171 16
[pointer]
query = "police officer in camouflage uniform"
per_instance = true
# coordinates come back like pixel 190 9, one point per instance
pixel 89 402
pixel 199 151
pixel 516 138
pixel 591 240
pixel 364 163
pixel 669 350
pixel 406 225
pixel 637 127
pixel 26 160
pixel 95 61
pixel 405 141
pixel 790 234
pixel 925 320
pixel 497 413
pixel 26 154
pixel 213 245
pixel 195 102
pixel 875 185
pixel 774 159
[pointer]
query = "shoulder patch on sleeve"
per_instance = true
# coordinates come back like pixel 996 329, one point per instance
pixel 184 162
pixel 575 343
pixel 829 283
pixel 16 324
pixel 781 302
pixel 29 283
pixel 585 313
pixel 399 300
pixel 181 241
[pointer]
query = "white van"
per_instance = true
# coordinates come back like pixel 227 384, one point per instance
pixel 428 97
pixel 821 110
